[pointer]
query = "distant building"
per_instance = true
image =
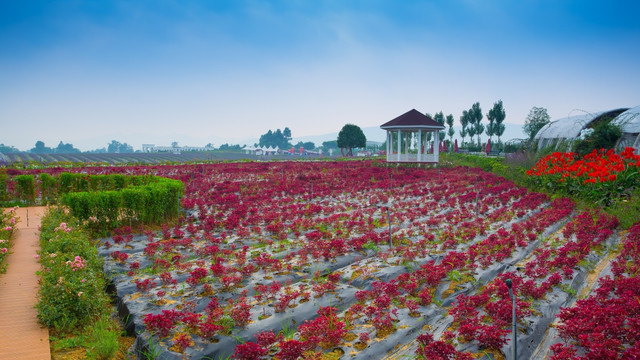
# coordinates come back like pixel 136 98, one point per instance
pixel 151 148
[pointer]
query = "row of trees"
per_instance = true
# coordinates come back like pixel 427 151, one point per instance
pixel 65 148
pixel 472 126
pixel 471 122
pixel 62 148
pixel 278 138
pixel 282 140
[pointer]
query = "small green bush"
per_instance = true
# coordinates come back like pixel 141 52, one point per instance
pixel 102 342
pixel 604 136
pixel 626 209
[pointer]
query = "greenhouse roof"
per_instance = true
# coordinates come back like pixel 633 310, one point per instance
pixel 568 127
pixel 629 120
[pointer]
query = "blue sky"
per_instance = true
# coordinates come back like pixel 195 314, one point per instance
pixel 154 71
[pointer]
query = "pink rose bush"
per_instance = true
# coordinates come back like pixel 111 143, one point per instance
pixel 7 226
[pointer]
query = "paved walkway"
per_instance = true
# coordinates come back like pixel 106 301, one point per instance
pixel 21 337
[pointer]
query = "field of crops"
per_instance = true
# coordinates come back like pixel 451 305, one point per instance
pixel 359 259
pixel 298 259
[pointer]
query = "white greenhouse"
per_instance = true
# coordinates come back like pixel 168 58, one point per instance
pixel 629 122
pixel 568 129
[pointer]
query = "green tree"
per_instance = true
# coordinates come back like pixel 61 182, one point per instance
pixel 451 132
pixel 496 116
pixel 40 148
pixel 118 147
pixel 464 122
pixel 308 145
pixel 429 133
pixel 287 133
pixel 66 149
pixel 605 135
pixel 5 149
pixel 228 147
pixel 333 144
pixel 275 139
pixel 439 118
pixel 351 136
pixel 536 120
pixel 472 128
pixel 476 113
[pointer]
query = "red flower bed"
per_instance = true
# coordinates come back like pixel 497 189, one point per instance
pixel 608 173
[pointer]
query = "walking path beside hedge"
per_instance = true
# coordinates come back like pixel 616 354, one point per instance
pixel 21 336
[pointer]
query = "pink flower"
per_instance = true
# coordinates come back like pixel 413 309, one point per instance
pixel 8 228
pixel 3 250
pixel 77 264
pixel 36 256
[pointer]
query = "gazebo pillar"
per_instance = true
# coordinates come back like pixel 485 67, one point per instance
pixel 388 143
pixel 419 145
pixel 399 144
pixel 436 145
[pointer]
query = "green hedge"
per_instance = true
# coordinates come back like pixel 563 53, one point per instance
pixel 73 182
pixel 48 188
pixel 25 185
pixel 3 185
pixel 152 200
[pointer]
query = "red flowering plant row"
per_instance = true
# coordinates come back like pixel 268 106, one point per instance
pixel 485 317
pixel 599 176
pixel 606 325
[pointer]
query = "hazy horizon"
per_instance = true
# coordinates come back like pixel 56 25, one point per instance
pixel 91 72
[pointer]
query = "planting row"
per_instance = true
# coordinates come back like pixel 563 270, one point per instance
pixel 606 325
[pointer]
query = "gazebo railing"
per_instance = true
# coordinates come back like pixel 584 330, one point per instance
pixel 424 158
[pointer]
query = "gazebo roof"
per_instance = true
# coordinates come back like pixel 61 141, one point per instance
pixel 412 119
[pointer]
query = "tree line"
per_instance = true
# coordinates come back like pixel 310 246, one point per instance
pixel 67 148
pixel 282 140
pixel 473 127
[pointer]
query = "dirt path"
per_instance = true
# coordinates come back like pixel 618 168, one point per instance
pixel 21 337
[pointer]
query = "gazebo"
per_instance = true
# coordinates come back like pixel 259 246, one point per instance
pixel 407 139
